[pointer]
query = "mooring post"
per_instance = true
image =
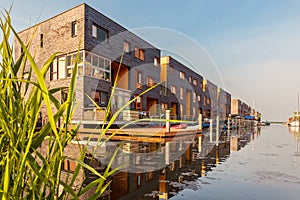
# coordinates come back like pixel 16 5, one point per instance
pixel 200 122
pixel 168 113
pixel 217 129
pixel 200 143
pixel 210 129
pixel 167 153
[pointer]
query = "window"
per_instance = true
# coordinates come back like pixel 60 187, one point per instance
pixel 100 97
pixel 208 101
pixel 126 47
pixel 182 75
pixel 41 40
pixel 194 97
pixel 205 100
pixel 138 103
pixel 156 61
pixel 164 106
pixel 99 33
pixel 149 176
pixel 53 70
pixel 195 82
pixel 181 109
pixel 64 95
pixel 26 75
pixel 173 89
pixel 190 79
pixel 74 29
pixel 97 66
pixel 150 81
pixel 199 98
pixel 138 79
pixel 139 53
pixel 181 92
pixel 138 180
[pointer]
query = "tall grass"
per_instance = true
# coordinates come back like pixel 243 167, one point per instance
pixel 31 160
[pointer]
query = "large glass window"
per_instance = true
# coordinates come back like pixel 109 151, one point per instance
pixel 97 66
pixel 89 64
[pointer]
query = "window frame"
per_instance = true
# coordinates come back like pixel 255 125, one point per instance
pixel 96 34
pixel 173 89
pixel 139 53
pixel 182 75
pixel 128 46
pixel 74 28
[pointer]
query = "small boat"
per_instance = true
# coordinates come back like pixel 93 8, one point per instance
pixel 294 121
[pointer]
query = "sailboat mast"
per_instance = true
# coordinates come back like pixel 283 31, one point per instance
pixel 298 104
pixel 298 109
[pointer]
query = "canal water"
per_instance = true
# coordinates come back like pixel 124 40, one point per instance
pixel 257 163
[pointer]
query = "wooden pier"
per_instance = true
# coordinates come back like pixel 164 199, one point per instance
pixel 139 134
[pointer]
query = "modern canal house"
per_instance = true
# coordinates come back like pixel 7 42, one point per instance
pixel 188 94
pixel 101 42
pixel 182 91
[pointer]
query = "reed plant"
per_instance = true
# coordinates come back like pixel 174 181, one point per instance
pixel 31 160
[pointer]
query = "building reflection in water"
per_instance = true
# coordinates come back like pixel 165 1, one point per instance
pixel 184 162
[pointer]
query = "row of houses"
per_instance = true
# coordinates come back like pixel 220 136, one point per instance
pixel 240 108
pixel 108 54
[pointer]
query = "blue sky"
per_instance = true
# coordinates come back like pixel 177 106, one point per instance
pixel 254 44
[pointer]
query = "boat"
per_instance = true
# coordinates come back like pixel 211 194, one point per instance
pixel 294 121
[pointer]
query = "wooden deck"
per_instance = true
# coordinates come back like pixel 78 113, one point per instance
pixel 139 134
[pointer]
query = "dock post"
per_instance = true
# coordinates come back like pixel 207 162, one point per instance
pixel 200 143
pixel 210 129
pixel 168 113
pixel 167 153
pixel 200 122
pixel 217 129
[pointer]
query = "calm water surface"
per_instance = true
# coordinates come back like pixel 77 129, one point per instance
pixel 266 168
pixel 261 163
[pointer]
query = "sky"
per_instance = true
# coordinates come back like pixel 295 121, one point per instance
pixel 251 47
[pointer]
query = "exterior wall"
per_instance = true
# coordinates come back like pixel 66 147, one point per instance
pixel 236 107
pixel 57 37
pixel 113 49
pixel 199 95
pixel 223 103
pixel 228 103
pixel 56 33
pixel 213 96
pixel 190 103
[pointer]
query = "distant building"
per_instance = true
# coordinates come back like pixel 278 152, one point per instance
pixel 236 107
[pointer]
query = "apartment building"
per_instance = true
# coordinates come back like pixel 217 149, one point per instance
pixel 240 108
pixel 224 103
pixel 100 42
pixel 183 90
pixel 236 107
